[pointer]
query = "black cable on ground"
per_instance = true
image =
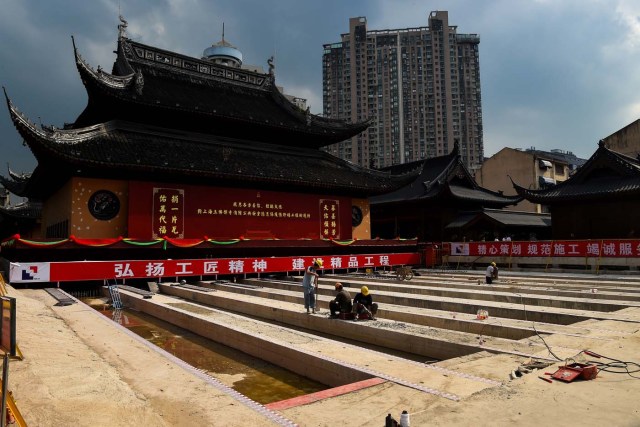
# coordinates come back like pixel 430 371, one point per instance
pixel 614 367
pixel 533 324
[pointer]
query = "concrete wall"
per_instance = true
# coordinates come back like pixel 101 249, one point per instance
pixel 626 140
pixel 520 165
pixel 57 209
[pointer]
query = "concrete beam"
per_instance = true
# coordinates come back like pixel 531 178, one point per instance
pixel 442 347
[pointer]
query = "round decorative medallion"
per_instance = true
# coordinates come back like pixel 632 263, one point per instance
pixel 104 205
pixel 356 216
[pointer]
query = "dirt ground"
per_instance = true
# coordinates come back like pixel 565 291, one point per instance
pixel 81 370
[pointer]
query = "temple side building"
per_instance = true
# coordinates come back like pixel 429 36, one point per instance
pixel 440 194
pixel 601 200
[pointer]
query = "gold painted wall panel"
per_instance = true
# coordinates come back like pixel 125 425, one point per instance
pixel 84 223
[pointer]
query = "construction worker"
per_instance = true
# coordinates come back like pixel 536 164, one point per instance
pixel 491 273
pixel 342 301
pixel 363 303
pixel 310 285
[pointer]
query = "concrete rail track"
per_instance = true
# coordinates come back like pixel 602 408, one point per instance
pixel 429 317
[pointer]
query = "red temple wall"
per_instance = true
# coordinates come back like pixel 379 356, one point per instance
pixel 187 211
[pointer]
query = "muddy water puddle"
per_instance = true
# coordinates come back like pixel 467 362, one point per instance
pixel 259 380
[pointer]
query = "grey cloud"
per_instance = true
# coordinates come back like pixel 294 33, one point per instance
pixel 554 74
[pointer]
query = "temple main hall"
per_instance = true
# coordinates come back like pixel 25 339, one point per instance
pixel 176 156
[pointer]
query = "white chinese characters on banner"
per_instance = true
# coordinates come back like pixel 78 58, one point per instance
pixel 568 248
pixel 123 270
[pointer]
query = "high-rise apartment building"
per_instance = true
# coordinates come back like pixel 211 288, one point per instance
pixel 421 87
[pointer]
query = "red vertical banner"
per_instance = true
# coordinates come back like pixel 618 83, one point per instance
pixel 329 219
pixel 168 213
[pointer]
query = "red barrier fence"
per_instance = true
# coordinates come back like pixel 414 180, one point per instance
pixel 152 269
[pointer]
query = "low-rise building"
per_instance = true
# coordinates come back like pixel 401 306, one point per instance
pixel 626 140
pixel 531 168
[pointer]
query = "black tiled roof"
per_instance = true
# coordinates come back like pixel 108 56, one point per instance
pixel 14 186
pixel 127 149
pixel 27 210
pixel 164 88
pixel 443 176
pixel 481 195
pixel 606 175
pixel 16 182
pixel 502 217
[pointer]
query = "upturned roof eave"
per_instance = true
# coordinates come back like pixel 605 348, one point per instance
pixel 545 199
pixel 29 210
pixel 17 188
pixel 484 197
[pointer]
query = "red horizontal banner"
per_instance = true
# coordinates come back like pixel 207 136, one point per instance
pixel 151 269
pixel 560 248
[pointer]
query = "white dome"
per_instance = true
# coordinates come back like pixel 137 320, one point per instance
pixel 223 53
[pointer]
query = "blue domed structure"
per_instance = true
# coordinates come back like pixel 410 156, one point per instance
pixel 223 53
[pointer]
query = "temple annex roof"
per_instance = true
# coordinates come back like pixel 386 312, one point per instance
pixel 25 210
pixel 503 218
pixel 443 177
pixel 606 175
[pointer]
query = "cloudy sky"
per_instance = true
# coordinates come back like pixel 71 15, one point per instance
pixel 554 73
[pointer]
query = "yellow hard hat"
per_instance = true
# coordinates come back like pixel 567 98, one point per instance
pixel 318 262
pixel 364 290
pixel 493 263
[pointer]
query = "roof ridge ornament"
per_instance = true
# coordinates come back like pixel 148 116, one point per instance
pixel 139 82
pixel 6 97
pixel 223 34
pixel 455 152
pixel 122 27
pixel 19 177
pixel 272 66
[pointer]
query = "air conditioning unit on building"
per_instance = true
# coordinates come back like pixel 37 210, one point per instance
pixel 543 181
pixel 544 164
